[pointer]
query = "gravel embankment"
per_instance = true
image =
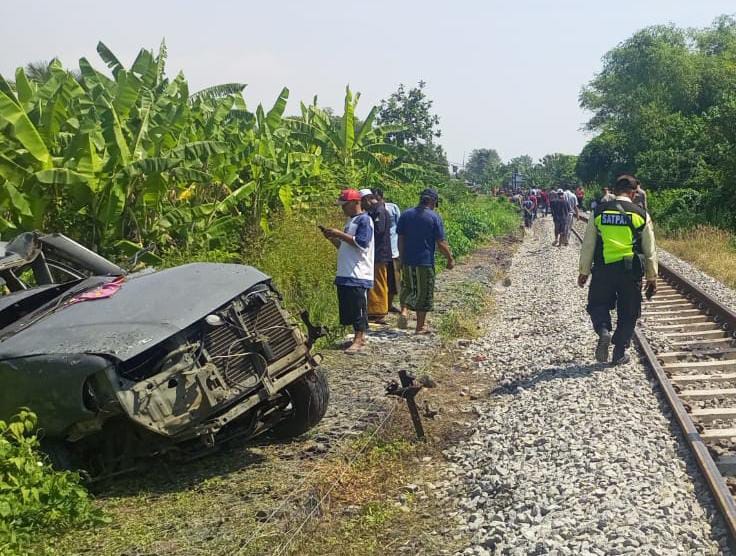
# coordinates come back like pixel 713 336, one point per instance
pixel 717 290
pixel 568 456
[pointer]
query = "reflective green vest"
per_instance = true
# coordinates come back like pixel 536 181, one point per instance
pixel 619 225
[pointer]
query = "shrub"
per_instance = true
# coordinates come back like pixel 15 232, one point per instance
pixel 676 209
pixel 34 498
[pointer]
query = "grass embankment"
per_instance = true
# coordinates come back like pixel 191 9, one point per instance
pixel 710 249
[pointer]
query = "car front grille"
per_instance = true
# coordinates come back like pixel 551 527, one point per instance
pixel 268 321
pixel 232 351
pixel 223 344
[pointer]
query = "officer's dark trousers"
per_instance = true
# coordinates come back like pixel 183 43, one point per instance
pixel 613 286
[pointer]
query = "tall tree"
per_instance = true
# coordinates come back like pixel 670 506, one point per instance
pixel 415 127
pixel 557 169
pixel 484 168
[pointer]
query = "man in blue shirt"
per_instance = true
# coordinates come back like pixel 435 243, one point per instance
pixel 420 229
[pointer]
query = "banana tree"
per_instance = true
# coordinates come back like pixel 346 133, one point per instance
pixel 101 155
pixel 356 150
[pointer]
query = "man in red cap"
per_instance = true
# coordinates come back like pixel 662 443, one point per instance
pixel 354 275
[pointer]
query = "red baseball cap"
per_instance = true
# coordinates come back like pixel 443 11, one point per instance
pixel 347 195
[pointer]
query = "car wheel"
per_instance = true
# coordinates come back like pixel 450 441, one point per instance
pixel 309 398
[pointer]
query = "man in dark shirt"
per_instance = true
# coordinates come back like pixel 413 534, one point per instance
pixel 420 229
pixel 378 294
pixel 559 209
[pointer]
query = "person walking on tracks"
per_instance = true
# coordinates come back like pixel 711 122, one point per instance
pixel 618 248
pixel 528 209
pixel 641 196
pixel 559 208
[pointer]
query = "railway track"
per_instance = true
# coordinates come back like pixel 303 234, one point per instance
pixel 697 375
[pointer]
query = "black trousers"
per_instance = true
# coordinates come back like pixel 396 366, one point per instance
pixel 612 286
pixel 352 303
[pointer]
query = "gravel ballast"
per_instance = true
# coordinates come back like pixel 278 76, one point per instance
pixel 715 289
pixel 569 456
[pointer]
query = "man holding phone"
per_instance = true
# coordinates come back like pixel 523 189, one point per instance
pixel 619 249
pixel 354 275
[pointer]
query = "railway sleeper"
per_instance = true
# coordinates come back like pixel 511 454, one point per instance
pixel 708 393
pixel 706 325
pixel 726 341
pixel 682 312
pixel 697 354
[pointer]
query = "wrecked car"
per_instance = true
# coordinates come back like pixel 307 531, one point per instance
pixel 122 366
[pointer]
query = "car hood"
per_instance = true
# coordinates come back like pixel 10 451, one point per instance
pixel 145 311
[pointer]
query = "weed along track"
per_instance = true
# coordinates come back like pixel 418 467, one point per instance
pixel 688 341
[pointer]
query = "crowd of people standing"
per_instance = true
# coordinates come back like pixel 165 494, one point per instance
pixel 564 205
pixel 383 253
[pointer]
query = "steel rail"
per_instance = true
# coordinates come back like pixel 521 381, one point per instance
pixel 716 483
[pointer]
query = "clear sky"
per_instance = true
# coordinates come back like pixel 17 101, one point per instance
pixel 503 74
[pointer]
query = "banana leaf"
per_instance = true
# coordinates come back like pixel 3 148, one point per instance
pixel 347 125
pixel 11 171
pixel 218 91
pixel 273 118
pixel 24 88
pixel 114 136
pixel 200 150
pixel 109 58
pixel 60 176
pixel 128 90
pixel 25 131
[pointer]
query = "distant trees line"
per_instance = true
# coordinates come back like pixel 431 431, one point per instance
pixel 486 171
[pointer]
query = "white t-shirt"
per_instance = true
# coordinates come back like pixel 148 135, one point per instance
pixel 355 262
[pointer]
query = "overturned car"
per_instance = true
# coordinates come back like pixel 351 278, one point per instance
pixel 121 367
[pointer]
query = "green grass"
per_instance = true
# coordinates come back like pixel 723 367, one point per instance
pixel 469 300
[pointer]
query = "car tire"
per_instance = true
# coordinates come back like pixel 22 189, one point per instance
pixel 309 395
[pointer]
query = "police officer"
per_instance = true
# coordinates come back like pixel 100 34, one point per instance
pixel 619 247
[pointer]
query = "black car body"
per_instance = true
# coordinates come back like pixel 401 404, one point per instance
pixel 171 359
